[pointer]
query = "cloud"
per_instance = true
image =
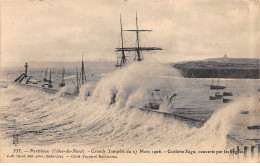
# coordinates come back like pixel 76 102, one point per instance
pixel 61 30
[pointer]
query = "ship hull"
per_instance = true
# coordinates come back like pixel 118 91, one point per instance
pixel 215 97
pixel 61 85
pixel 253 127
pixel 227 100
pixel 216 87
pixel 227 94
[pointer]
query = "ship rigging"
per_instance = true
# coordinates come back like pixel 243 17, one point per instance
pixel 122 59
pixel 62 84
pixel 81 78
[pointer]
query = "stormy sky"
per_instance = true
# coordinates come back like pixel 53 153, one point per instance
pixel 60 30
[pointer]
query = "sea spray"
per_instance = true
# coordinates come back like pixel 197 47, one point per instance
pixel 85 91
pixel 135 80
pixel 42 119
pixel 122 127
pixel 213 135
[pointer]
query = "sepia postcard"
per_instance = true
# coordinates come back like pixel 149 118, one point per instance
pixel 130 81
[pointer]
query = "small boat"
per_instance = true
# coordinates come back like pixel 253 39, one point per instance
pixel 215 97
pixel 227 100
pixel 227 93
pixel 254 127
pixel 218 95
pixel 154 106
pixel 34 81
pixel 156 98
pixel 216 87
pixel 212 98
pixel 27 81
pixel 50 86
pixel 62 84
pixel 244 112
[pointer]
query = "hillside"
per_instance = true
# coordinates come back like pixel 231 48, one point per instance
pixel 220 67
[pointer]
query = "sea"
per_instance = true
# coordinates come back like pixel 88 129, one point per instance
pixel 41 119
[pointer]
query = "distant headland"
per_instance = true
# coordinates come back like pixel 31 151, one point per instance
pixel 220 68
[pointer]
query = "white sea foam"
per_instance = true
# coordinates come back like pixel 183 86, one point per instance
pixel 93 123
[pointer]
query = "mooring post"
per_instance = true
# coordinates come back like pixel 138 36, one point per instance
pixel 238 151
pixel 245 151
pixel 230 154
pixel 252 151
pixel 234 153
pixel 15 139
pixel 258 147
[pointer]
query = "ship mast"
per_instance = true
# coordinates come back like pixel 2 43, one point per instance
pixel 62 75
pixel 82 72
pixel 50 85
pixel 80 77
pixel 77 87
pixel 123 57
pixel 50 77
pixel 46 74
pixel 138 42
pixel 62 78
pixel 138 49
pixel 26 68
pixel 123 60
pixel 63 71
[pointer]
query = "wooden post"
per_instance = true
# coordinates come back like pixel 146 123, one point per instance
pixel 252 151
pixel 238 151
pixel 245 151
pixel 15 139
pixel 233 153
pixel 258 150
